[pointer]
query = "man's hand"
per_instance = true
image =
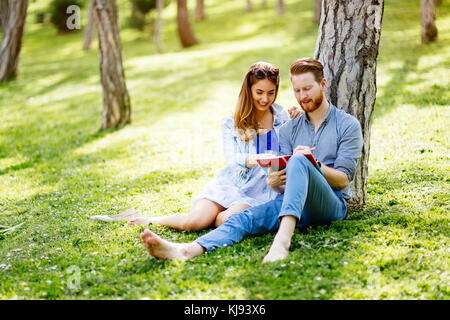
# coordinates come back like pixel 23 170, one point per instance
pixel 302 150
pixel 294 112
pixel 276 178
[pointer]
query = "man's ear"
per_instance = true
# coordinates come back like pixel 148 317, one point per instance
pixel 323 83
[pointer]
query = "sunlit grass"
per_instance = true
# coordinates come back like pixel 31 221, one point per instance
pixel 57 169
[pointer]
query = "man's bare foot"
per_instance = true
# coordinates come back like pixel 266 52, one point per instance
pixel 162 249
pixel 276 252
pixel 138 221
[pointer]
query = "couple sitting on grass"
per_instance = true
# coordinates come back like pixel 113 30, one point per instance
pixel 242 200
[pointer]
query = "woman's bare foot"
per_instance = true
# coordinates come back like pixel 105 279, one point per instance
pixel 138 221
pixel 162 249
pixel 276 252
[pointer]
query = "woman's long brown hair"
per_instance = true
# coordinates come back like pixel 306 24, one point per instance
pixel 244 114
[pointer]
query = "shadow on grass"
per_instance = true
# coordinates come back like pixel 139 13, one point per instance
pixel 49 146
pixel 382 240
pixel 17 167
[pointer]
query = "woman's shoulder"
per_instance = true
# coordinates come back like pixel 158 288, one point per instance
pixel 228 121
pixel 277 108
pixel 280 114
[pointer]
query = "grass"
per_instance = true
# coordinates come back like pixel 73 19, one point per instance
pixel 57 169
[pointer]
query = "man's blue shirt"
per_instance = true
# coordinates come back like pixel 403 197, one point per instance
pixel 338 141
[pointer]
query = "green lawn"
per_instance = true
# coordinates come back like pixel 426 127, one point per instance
pixel 57 169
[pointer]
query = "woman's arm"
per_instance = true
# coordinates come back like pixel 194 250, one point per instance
pixel 230 148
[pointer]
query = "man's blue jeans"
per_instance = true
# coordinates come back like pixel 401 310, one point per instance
pixel 308 197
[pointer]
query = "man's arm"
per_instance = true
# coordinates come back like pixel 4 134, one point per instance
pixel 335 178
pixel 349 150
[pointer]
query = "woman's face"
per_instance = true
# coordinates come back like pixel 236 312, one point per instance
pixel 263 94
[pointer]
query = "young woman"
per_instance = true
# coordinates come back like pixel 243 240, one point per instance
pixel 251 130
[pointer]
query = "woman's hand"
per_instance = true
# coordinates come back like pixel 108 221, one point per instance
pixel 294 112
pixel 251 159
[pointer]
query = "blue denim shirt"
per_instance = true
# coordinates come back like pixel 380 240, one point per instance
pixel 338 141
pixel 237 150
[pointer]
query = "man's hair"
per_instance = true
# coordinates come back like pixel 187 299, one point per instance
pixel 305 65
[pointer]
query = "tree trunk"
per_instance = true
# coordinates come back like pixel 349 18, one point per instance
pixel 4 9
pixel 347 45
pixel 436 2
pixel 249 7
pixel 264 3
pixel 158 29
pixel 281 9
pixel 317 10
pixel 200 11
pixel 89 30
pixel 116 101
pixel 14 13
pixel 184 27
pixel 427 18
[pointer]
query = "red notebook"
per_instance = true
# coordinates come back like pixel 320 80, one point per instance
pixel 280 162
pixel 275 162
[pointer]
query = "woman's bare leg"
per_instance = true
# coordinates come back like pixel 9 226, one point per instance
pixel 202 216
pixel 224 215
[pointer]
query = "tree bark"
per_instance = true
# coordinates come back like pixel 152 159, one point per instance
pixel 89 30
pixel 159 26
pixel 281 8
pixel 427 18
pixel 116 101
pixel 249 6
pixel 200 10
pixel 317 10
pixel 4 9
pixel 347 45
pixel 184 27
pixel 14 13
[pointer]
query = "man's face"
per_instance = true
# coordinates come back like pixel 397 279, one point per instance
pixel 308 92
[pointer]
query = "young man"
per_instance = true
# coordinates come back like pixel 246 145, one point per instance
pixel 306 197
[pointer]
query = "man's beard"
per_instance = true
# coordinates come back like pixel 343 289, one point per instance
pixel 315 105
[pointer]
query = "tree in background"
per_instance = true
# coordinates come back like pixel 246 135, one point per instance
pixel 427 19
pixel 264 4
pixel 185 32
pixel 249 6
pixel 3 13
pixel 158 25
pixel 200 10
pixel 116 101
pixel 347 45
pixel 13 14
pixel 89 30
pixel 317 10
pixel 281 8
